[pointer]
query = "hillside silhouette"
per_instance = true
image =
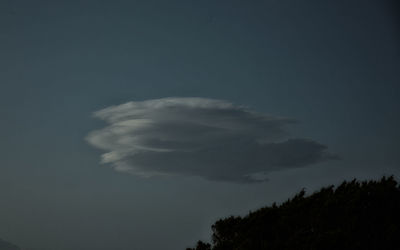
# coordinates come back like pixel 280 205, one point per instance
pixel 4 245
pixel 355 215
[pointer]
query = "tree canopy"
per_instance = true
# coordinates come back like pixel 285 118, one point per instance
pixel 354 215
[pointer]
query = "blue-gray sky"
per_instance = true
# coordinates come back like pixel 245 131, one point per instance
pixel 330 65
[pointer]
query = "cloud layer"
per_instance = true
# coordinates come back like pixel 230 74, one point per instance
pixel 203 137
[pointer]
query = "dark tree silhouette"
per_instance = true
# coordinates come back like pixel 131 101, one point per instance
pixel 201 246
pixel 355 215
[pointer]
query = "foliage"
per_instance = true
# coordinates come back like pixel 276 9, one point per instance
pixel 355 215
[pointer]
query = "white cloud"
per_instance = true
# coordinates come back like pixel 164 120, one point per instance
pixel 210 138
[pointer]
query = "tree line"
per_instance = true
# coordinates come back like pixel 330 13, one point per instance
pixel 354 215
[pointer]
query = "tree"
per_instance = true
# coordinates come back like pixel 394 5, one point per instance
pixel 355 215
pixel 201 246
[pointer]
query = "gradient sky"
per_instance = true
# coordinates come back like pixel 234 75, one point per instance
pixel 331 65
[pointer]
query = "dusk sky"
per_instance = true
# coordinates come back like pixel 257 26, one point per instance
pixel 137 124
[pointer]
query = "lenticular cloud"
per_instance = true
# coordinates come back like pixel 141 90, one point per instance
pixel 209 138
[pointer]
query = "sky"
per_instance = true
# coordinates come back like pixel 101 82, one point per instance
pixel 137 124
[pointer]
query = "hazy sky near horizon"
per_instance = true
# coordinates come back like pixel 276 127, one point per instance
pixel 331 66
